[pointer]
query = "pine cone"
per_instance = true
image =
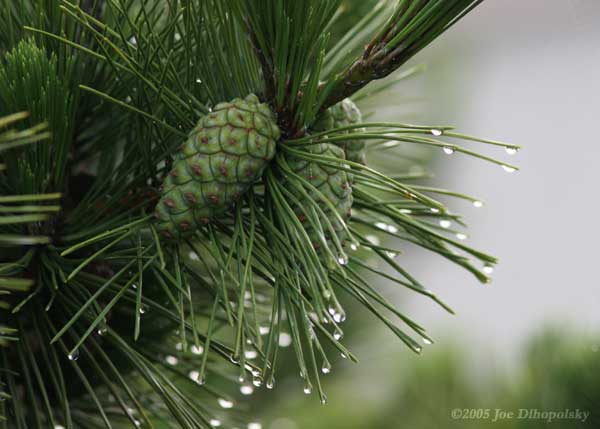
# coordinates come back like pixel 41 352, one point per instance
pixel 333 183
pixel 345 114
pixel 225 154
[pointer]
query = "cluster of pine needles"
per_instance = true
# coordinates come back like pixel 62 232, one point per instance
pixel 105 324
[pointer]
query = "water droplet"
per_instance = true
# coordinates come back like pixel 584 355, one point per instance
pixel 179 346
pixel 171 360
pixel 323 399
pixel 373 239
pixel 194 256
pixel 461 236
pixel 508 168
pixel 449 150
pixel 339 317
pixel 270 384
pixel 194 375
pixel 133 40
pixel 73 356
pixel 254 425
pixel 197 349
pixel 343 355
pixel 418 349
pixel 445 223
pixel 215 423
pixel 142 310
pixel 488 269
pixel 224 403
pixel 326 368
pixel 264 330
pixel 353 247
pixel 234 359
pixel 434 210
pixel 427 341
pixel 199 81
pixel 405 211
pixel 338 335
pixel 343 260
pixel 250 354
pixel 257 381
pixel 285 339
pixel 478 204
pixel 247 390
pixel 511 150
pixel 381 225
pixel 177 37
pixel 102 331
pixel 59 427
pixel 307 389
pixel 129 100
pixel 436 132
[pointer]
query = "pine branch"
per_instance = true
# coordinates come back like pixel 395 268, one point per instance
pixel 413 25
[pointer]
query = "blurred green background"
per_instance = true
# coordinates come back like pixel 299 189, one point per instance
pixel 526 73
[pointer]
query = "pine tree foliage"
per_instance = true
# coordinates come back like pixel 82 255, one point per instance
pixel 105 322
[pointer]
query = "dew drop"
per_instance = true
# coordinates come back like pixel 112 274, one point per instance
pixel 343 260
pixel 508 168
pixel 199 81
pixel 445 223
pixel 434 210
pixel 128 100
pixel 307 389
pixel 326 368
pixel 257 381
pixel 354 247
pixel 488 269
pixel 73 356
pixel 197 350
pixel 171 360
pixel 194 256
pixel 343 355
pixel 234 359
pixel 381 225
pixel 461 236
pixel 224 403
pixel 102 331
pixel 254 425
pixel 59 427
pixel 250 354
pixel 427 341
pixel 264 330
pixel 194 375
pixel 133 40
pixel 436 132
pixel 285 339
pixel 215 423
pixel 323 399
pixel 177 37
pixel 478 204
pixel 338 335
pixel 448 150
pixel 247 390
pixel 405 211
pixel 270 384
pixel 511 150
pixel 142 310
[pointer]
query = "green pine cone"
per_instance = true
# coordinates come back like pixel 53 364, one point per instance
pixel 333 183
pixel 345 114
pixel 224 155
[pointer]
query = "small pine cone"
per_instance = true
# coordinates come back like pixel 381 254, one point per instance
pixel 345 114
pixel 223 157
pixel 333 183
